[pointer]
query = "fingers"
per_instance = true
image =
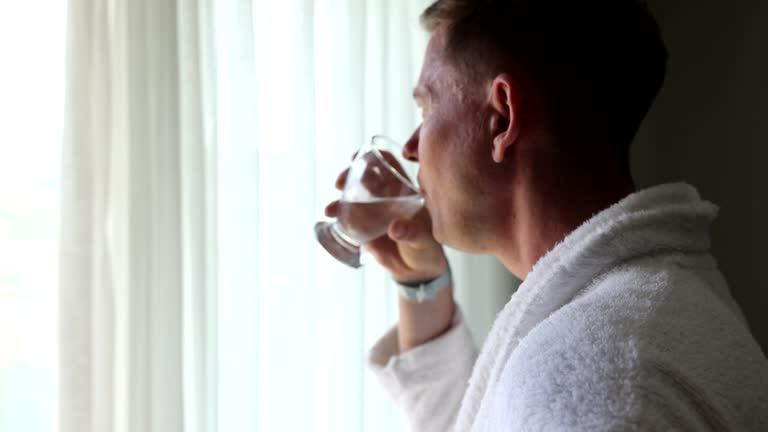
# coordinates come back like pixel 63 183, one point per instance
pixel 394 163
pixel 406 231
pixel 341 180
pixel 375 179
pixel 379 179
pixel 408 250
pixel 376 175
pixel 416 232
pixel 386 253
pixel 332 209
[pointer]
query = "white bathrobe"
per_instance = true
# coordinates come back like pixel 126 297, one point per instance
pixel 627 324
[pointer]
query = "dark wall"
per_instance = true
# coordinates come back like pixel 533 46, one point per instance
pixel 709 127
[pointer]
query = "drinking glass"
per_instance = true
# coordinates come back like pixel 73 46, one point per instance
pixel 381 186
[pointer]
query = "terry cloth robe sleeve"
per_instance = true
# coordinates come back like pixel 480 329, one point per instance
pixel 427 382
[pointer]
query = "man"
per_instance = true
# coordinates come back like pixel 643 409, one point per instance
pixel 623 321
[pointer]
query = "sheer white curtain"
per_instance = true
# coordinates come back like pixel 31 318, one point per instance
pixel 122 250
pixel 202 141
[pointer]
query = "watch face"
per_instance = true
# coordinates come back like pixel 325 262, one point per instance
pixel 421 294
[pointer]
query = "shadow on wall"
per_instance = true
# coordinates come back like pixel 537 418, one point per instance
pixel 708 127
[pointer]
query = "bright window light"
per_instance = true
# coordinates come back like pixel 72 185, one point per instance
pixel 32 44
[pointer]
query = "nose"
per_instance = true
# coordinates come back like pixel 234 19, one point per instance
pixel 411 148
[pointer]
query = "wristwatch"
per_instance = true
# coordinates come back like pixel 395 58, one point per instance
pixel 424 291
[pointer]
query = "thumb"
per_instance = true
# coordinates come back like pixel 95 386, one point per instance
pixel 411 232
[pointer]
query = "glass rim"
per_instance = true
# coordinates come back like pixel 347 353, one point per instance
pixel 392 169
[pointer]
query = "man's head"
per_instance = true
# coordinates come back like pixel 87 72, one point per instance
pixel 601 58
pixel 509 80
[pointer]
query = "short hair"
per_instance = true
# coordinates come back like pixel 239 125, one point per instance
pixel 600 61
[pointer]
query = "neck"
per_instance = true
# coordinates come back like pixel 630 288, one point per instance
pixel 547 203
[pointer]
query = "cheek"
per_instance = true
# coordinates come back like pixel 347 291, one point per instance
pixel 458 148
pixel 430 141
pixel 451 145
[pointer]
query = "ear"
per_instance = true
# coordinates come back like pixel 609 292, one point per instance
pixel 505 119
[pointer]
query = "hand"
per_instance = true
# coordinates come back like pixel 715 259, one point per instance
pixel 408 251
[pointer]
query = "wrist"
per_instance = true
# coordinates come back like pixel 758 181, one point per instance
pixel 416 277
pixel 425 289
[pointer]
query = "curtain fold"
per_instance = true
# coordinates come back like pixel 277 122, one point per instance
pixel 86 314
pixel 197 109
pixel 121 283
pixel 202 141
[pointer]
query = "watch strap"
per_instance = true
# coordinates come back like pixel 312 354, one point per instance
pixel 424 291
